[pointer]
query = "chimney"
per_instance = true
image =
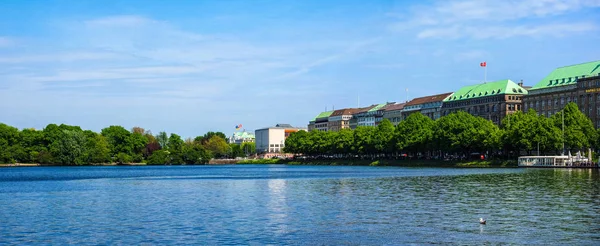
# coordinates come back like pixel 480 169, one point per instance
pixel 521 83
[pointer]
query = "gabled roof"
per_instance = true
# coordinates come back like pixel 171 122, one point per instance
pixel 568 75
pixel 365 109
pixel 428 99
pixel 500 87
pixel 377 107
pixel 345 111
pixel 322 115
pixel 393 107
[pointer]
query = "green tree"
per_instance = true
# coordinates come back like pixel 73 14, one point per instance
pixel 97 148
pixel 9 137
pixel 414 134
pixel 579 133
pixel 363 140
pixel 249 148
pixel 203 139
pixel 118 140
pixel 159 157
pixel 217 146
pixel 69 148
pixel 384 136
pixel 195 153
pixel 163 139
pixel 343 142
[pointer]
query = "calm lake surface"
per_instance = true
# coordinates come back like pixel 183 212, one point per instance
pixel 298 205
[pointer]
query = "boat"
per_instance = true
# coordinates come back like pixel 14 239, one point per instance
pixel 558 161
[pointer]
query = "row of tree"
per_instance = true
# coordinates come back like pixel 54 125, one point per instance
pixel 70 145
pixel 455 134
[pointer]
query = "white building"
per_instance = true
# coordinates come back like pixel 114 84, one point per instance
pixel 272 139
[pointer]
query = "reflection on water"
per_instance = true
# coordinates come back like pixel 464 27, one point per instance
pixel 298 205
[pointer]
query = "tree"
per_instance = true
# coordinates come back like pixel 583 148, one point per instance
pixel 159 157
pixel 579 133
pixel 415 133
pixel 118 140
pixel 384 135
pixel 209 135
pixel 195 153
pixel 97 148
pixel 162 139
pixel 343 142
pixel 249 148
pixel 363 140
pixel 69 148
pixel 9 136
pixel 137 143
pixel 217 146
pixel 175 147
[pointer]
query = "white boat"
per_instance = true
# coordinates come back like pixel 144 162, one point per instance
pixel 555 161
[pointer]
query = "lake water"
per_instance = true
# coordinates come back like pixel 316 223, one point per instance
pixel 298 205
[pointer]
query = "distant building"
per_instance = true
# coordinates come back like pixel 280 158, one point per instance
pixel 340 119
pixel 491 100
pixel 575 83
pixel 272 139
pixel 241 137
pixel 361 117
pixel 393 112
pixel 320 122
pixel 430 106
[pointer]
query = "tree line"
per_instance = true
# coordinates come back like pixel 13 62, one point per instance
pixel 70 145
pixel 456 134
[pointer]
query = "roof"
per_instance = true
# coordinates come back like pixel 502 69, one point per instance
pixel 345 111
pixel 243 135
pixel 322 115
pixel 568 75
pixel 428 99
pixel 392 107
pixel 365 109
pixel 377 107
pixel 499 87
pixel 283 125
pixel 279 126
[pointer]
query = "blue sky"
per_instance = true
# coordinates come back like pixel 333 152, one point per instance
pixel 195 66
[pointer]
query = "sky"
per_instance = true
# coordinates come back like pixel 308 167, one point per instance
pixel 189 67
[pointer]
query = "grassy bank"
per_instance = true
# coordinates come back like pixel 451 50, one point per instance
pixel 402 163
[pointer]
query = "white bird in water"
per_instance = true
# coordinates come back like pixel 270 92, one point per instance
pixel 482 221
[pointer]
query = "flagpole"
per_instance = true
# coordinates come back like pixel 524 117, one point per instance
pixel 485 73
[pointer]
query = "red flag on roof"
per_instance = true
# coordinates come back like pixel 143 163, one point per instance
pixel 483 64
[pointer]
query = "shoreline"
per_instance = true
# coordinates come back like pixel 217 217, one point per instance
pixel 318 162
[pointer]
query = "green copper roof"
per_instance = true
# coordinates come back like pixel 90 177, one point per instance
pixel 506 86
pixel 243 135
pixel 568 75
pixel 322 115
pixel 378 107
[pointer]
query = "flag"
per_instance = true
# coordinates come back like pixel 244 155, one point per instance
pixel 483 64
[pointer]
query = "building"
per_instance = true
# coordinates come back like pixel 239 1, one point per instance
pixel 430 106
pixel 393 112
pixel 340 119
pixel 320 122
pixel 241 137
pixel 575 83
pixel 272 139
pixel 359 113
pixel 492 100
pixel 369 118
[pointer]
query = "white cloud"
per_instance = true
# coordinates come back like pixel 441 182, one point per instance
pixel 120 21
pixel 484 19
pixel 503 32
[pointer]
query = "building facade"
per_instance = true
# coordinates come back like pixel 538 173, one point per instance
pixel 320 122
pixel 340 119
pixel 272 139
pixel 393 112
pixel 241 137
pixel 359 114
pixel 492 100
pixel 430 106
pixel 575 83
